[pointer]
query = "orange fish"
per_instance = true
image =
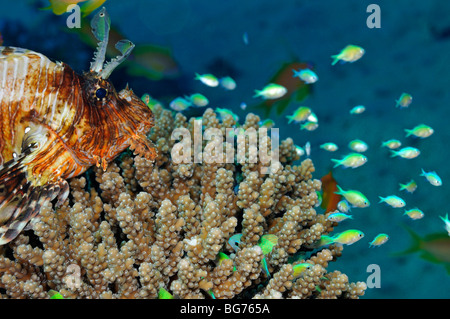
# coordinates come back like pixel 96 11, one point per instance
pixel 296 88
pixel 329 198
pixel 434 247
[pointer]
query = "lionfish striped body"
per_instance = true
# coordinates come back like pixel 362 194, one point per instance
pixel 55 124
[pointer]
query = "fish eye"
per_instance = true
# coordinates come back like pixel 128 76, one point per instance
pixel 100 93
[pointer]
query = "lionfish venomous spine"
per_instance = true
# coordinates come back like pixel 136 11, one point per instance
pixel 55 124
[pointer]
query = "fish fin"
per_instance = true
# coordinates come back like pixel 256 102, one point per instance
pixel 415 246
pixel 408 132
pixel 20 200
pixel 290 118
pixel 282 106
pixel 257 93
pixel 447 268
pixel 393 153
pixel 340 190
pixel 338 162
pixel 335 59
pixel 381 199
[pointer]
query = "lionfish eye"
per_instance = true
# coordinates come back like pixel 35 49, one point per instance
pixel 101 93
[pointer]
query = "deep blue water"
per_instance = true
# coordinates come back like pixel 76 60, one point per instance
pixel 409 53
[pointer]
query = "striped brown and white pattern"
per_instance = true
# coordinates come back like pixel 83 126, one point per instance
pixel 54 127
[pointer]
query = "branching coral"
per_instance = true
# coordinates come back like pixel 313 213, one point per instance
pixel 141 226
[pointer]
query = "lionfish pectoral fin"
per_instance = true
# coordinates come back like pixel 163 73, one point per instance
pixel 144 147
pixel 20 200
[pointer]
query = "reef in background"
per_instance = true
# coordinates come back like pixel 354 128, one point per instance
pixel 140 226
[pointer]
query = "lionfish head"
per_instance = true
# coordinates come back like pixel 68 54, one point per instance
pixel 123 109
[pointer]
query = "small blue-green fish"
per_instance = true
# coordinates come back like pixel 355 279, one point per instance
pixel 180 104
pixel 197 99
pixel 432 177
pixel 306 75
pixel 267 242
pixel 271 91
pixel 312 118
pixel 227 83
pixel 354 197
pixel 207 79
pixel 414 213
pixel 265 267
pixel 329 146
pixel 347 237
pixel 391 144
pixel 245 37
pixel 309 126
pixel 319 199
pixel 358 146
pixel 352 160
pixel 53 294
pixel 350 53
pixel 234 241
pixel 358 109
pixel 343 206
pixel 221 256
pixel 300 268
pixel 446 223
pixel 404 100
pixel 406 152
pixel 149 101
pixel 300 150
pixel 393 201
pixel 164 294
pixel 379 240
pixel 410 187
pixel 300 114
pixel 267 123
pixel 308 148
pixel 224 112
pixel 421 130
pixel 339 217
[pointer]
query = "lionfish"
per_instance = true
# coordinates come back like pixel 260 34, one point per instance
pixel 55 124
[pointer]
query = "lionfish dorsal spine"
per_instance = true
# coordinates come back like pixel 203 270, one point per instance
pixel 100 25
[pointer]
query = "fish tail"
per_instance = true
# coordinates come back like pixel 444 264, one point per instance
pixel 394 153
pixel 335 59
pixel 338 162
pixel 423 173
pixel 326 240
pixel 257 93
pixel 20 200
pixel 340 190
pixel 415 246
pixel 381 199
pixel 408 132
pixel 290 117
pixel 296 73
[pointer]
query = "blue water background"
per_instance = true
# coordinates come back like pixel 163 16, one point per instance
pixel 409 53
